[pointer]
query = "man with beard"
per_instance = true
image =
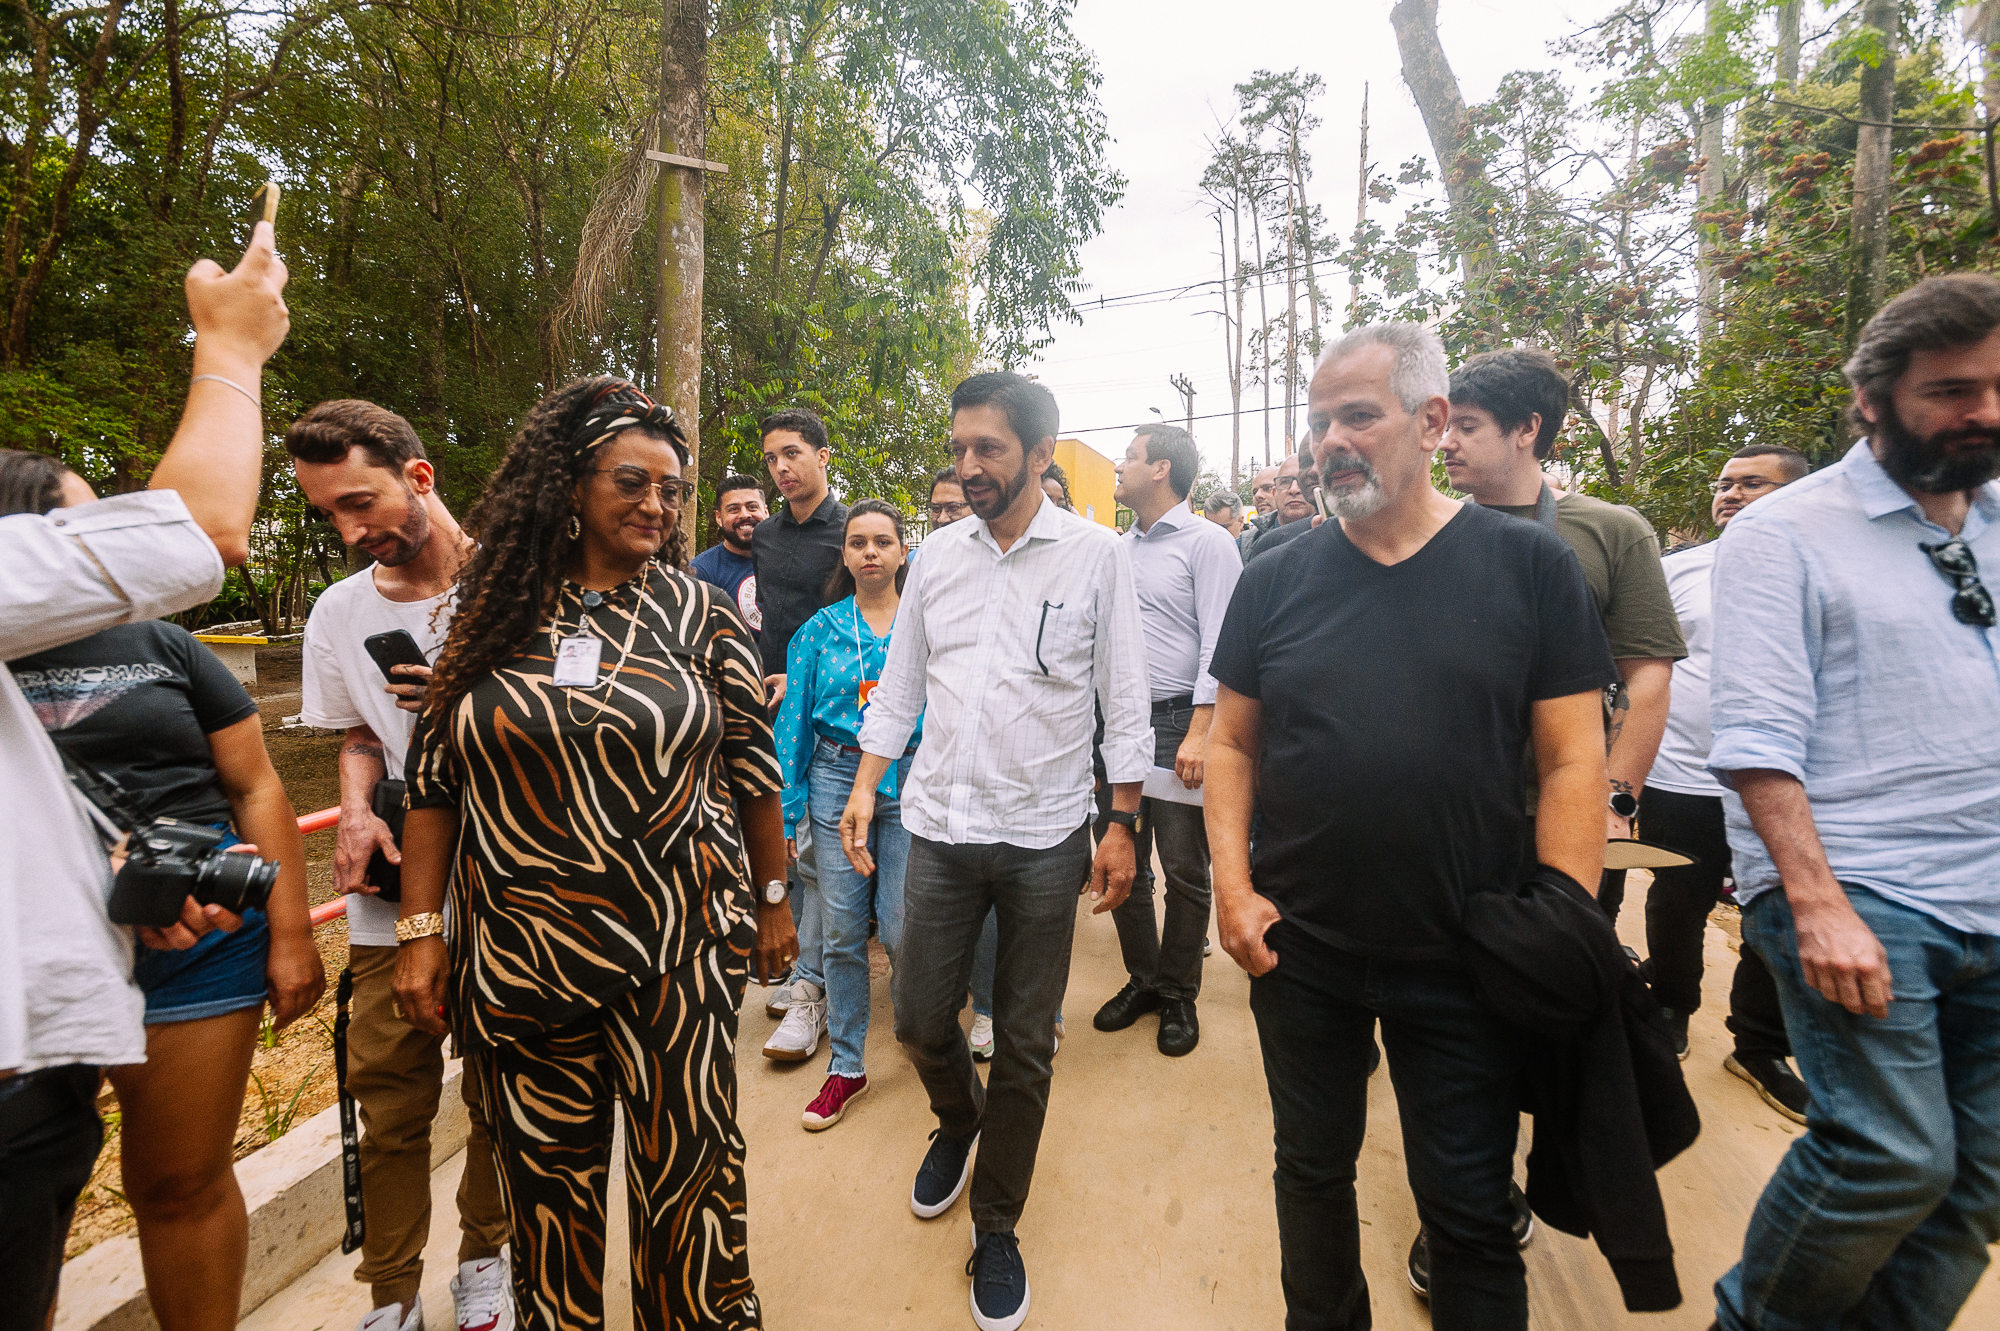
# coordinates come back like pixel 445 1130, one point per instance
pixel 729 564
pixel 1856 714
pixel 1012 625
pixel 1292 495
pixel 364 467
pixel 1379 678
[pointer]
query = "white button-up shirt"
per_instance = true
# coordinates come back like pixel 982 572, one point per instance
pixel 66 991
pixel 1185 568
pixel 1003 654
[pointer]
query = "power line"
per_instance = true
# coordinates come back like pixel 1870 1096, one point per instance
pixel 1190 288
pixel 1212 416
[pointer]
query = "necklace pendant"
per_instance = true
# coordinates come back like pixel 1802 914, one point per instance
pixel 593 599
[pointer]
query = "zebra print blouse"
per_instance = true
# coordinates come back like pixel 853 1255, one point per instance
pixel 598 840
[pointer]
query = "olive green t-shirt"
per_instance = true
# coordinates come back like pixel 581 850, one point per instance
pixel 1621 562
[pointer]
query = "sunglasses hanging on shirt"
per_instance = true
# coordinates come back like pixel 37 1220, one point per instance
pixel 1971 603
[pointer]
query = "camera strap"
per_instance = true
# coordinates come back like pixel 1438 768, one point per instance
pixel 101 798
pixel 350 1136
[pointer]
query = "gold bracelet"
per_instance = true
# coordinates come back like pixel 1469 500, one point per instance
pixel 427 925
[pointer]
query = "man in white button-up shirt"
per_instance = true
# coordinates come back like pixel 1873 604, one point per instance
pixel 1013 628
pixel 67 1002
pixel 1185 569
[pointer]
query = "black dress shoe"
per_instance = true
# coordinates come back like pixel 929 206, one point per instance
pixel 1126 1006
pixel 1179 1031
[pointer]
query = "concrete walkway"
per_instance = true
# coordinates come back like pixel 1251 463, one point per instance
pixel 1152 1203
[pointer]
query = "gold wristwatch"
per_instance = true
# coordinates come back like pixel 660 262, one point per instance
pixel 428 925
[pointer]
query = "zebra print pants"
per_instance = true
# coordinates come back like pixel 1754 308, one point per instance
pixel 667 1050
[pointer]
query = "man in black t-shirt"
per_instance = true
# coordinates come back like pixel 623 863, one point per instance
pixel 1380 676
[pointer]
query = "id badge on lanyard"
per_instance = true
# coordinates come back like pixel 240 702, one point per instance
pixel 577 661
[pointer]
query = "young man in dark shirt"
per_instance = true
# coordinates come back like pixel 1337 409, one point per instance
pixel 796 550
pixel 729 563
pixel 1403 657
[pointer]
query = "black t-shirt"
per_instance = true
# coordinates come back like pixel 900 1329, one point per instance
pixel 1396 703
pixel 138 703
pixel 794 560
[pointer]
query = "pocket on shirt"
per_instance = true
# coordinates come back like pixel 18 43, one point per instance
pixel 1062 646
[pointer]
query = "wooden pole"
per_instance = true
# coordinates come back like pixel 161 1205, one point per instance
pixel 683 97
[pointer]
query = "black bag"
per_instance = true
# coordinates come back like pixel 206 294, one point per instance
pixel 387 803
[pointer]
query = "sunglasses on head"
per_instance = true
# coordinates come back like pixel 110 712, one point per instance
pixel 1971 603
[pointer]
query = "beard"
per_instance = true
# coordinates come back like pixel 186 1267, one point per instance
pixel 989 501
pixel 410 537
pixel 1352 502
pixel 1927 463
pixel 740 534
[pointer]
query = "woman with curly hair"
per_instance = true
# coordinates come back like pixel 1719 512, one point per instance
pixel 592 764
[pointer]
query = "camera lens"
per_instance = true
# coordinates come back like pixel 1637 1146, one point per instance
pixel 236 882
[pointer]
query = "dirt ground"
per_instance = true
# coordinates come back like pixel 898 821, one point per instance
pixel 292 1072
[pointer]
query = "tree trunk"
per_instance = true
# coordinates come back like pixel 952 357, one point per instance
pixel 1868 248
pixel 1360 211
pixel 1291 314
pixel 1435 88
pixel 1263 308
pixel 1710 188
pixel 1788 41
pixel 1306 237
pixel 683 102
pixel 1231 353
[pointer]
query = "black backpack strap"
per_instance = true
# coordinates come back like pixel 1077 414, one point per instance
pixel 350 1135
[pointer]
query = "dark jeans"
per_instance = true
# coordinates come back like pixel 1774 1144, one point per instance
pixel 1881 1215
pixel 1454 1066
pixel 1677 910
pixel 1168 961
pixel 946 894
pixel 49 1138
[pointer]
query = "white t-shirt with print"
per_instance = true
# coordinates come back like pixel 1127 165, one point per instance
pixel 341 686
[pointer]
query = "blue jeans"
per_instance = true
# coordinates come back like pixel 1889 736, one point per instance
pixel 804 898
pixel 847 900
pixel 1454 1065
pixel 1881 1214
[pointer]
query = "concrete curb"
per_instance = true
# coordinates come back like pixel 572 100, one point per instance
pixel 292 1190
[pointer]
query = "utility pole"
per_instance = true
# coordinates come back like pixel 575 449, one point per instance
pixel 1360 210
pixel 1185 387
pixel 683 181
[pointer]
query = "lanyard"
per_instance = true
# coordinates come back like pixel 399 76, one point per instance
pixel 866 685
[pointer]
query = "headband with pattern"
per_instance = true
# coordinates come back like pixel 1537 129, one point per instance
pixel 621 406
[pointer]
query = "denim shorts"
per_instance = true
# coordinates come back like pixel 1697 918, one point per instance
pixel 222 972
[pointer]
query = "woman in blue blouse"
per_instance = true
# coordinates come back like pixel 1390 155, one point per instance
pixel 830 668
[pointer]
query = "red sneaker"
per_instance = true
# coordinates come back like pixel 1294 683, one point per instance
pixel 832 1101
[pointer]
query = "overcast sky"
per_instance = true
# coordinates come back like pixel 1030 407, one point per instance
pixel 1169 68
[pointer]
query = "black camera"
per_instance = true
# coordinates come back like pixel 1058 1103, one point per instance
pixel 167 861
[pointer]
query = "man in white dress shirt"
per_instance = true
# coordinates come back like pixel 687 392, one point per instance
pixel 1185 569
pixel 1012 625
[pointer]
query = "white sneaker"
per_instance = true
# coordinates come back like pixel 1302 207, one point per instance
pixel 982 1037
pixel 482 1294
pixel 779 1001
pixel 798 1035
pixel 393 1317
pixel 1208 947
pixel 1060 1032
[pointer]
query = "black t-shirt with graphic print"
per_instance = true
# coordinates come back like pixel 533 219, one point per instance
pixel 137 703
pixel 1396 703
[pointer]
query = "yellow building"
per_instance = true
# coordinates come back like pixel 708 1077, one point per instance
pixel 1091 481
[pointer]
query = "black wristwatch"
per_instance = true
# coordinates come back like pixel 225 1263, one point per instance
pixel 1130 821
pixel 1623 803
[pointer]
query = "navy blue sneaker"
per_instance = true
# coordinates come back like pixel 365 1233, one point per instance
pixel 999 1282
pixel 942 1175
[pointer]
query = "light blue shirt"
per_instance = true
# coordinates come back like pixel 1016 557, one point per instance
pixel 1837 659
pixel 829 657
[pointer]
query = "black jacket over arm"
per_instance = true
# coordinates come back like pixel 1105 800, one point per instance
pixel 1604 1084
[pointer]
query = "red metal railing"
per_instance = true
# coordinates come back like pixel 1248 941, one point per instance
pixel 320 822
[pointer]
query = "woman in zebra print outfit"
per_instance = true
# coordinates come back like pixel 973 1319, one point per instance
pixel 592 765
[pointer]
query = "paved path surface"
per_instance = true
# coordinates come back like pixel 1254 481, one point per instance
pixel 1152 1202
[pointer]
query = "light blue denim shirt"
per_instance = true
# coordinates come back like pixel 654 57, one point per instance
pixel 828 659
pixel 1837 659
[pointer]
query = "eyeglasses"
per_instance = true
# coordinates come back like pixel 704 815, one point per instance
pixel 631 485
pixel 1971 603
pixel 1750 485
pixel 953 511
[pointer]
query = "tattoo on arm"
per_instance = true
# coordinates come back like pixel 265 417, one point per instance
pixel 1622 786
pixel 363 749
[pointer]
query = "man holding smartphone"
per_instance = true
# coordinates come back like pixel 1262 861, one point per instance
pixel 365 468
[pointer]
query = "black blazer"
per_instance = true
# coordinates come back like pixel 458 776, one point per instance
pixel 1603 1082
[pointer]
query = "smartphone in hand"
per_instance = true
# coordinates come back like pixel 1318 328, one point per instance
pixel 394 648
